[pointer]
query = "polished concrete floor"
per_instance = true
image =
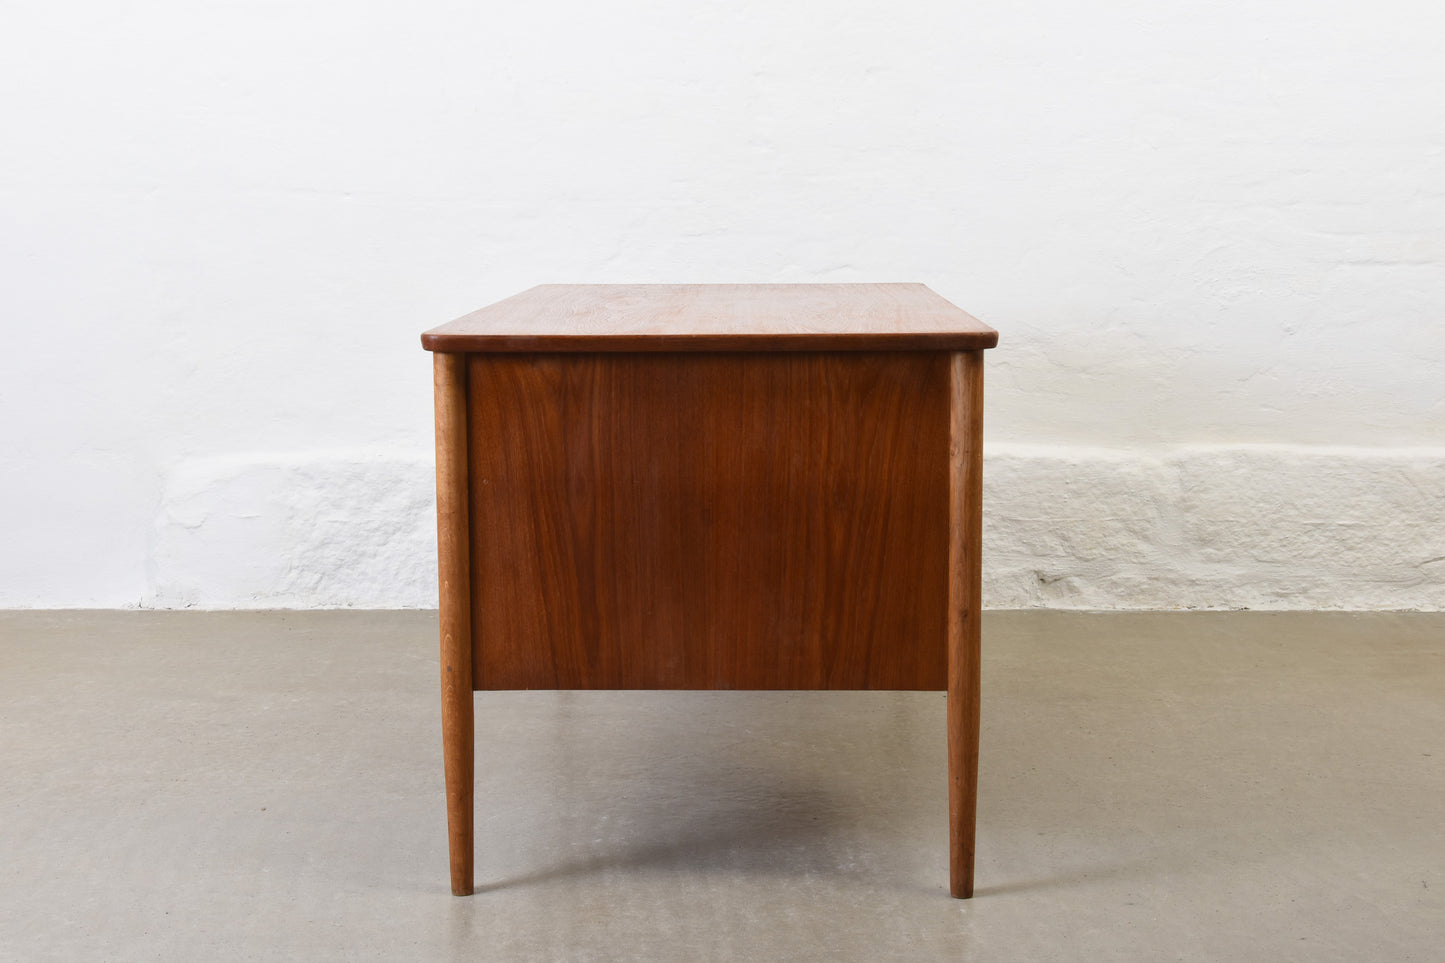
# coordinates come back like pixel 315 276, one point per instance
pixel 227 786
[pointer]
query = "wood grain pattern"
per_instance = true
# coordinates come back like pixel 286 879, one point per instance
pixel 711 520
pixel 716 317
pixel 453 538
pixel 965 576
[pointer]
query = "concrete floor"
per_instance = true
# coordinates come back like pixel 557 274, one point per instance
pixel 1222 786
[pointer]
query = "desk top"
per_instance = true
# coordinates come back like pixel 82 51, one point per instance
pixel 716 317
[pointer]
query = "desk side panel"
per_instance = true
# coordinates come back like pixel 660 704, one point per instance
pixel 709 521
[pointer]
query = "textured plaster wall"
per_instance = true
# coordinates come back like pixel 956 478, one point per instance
pixel 1212 235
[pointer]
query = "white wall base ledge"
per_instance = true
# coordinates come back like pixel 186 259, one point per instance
pixel 1190 527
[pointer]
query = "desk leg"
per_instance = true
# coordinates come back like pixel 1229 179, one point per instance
pixel 453 540
pixel 965 574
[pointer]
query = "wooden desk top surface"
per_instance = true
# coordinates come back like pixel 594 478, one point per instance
pixel 716 317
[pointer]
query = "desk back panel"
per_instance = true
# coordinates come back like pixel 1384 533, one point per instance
pixel 709 520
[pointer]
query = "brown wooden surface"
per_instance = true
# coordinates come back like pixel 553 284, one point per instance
pixel 964 604
pixel 716 317
pixel 453 537
pixel 698 521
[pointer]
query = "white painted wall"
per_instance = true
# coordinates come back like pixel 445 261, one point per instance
pixel 1211 233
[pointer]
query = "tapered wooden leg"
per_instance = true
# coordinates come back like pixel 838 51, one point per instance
pixel 453 537
pixel 965 576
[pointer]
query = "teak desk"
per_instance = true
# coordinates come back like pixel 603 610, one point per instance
pixel 770 486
